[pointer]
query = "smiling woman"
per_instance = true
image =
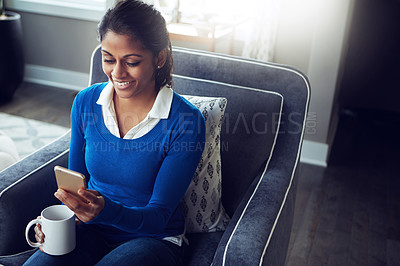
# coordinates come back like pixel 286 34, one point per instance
pixel 131 210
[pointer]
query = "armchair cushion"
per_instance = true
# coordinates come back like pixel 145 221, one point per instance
pixel 249 131
pixel 202 206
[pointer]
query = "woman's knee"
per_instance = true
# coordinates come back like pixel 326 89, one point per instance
pixel 144 251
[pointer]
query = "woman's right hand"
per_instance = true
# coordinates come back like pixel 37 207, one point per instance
pixel 39 234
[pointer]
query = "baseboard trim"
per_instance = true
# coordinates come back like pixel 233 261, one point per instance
pixel 315 153
pixel 56 77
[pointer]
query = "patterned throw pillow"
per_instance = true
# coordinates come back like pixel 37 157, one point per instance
pixel 202 206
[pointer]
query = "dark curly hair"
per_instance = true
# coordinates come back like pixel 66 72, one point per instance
pixel 146 24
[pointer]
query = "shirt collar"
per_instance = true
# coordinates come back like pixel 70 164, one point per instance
pixel 106 95
pixel 161 106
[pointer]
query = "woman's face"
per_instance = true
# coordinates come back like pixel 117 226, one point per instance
pixel 128 65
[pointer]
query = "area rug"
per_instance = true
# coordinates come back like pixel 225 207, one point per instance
pixel 27 134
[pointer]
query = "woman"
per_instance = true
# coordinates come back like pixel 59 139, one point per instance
pixel 138 142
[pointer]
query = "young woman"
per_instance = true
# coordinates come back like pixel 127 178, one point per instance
pixel 139 144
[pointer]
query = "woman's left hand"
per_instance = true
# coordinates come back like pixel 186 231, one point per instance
pixel 86 205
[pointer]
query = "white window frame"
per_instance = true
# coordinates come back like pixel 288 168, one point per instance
pixel 88 10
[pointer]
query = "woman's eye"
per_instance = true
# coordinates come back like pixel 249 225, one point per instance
pixel 108 61
pixel 133 64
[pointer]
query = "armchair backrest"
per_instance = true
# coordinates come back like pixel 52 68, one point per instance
pixel 264 119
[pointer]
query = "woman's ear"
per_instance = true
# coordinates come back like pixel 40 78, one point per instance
pixel 161 58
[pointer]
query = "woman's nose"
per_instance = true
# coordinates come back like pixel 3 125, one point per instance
pixel 118 71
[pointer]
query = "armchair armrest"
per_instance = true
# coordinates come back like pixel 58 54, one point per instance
pixel 26 188
pixel 261 222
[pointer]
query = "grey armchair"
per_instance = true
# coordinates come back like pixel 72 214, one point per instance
pixel 262 134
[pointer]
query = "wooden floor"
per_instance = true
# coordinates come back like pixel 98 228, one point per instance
pixel 346 214
pixel 47 104
pixel 349 212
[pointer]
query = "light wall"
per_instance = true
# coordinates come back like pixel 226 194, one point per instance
pixel 312 36
pixel 57 42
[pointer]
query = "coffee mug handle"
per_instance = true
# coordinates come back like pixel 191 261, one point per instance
pixel 28 227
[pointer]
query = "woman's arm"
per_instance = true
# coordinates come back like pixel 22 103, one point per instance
pixel 76 160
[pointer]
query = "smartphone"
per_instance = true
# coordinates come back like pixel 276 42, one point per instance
pixel 69 180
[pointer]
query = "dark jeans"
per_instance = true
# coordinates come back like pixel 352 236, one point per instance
pixel 93 249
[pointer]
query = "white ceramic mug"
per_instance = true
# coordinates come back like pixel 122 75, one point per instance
pixel 58 226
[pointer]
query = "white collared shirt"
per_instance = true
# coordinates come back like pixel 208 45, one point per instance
pixel 160 110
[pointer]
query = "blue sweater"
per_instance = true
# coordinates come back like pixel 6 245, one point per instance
pixel 142 180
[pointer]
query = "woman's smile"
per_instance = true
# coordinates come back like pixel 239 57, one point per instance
pixel 122 85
